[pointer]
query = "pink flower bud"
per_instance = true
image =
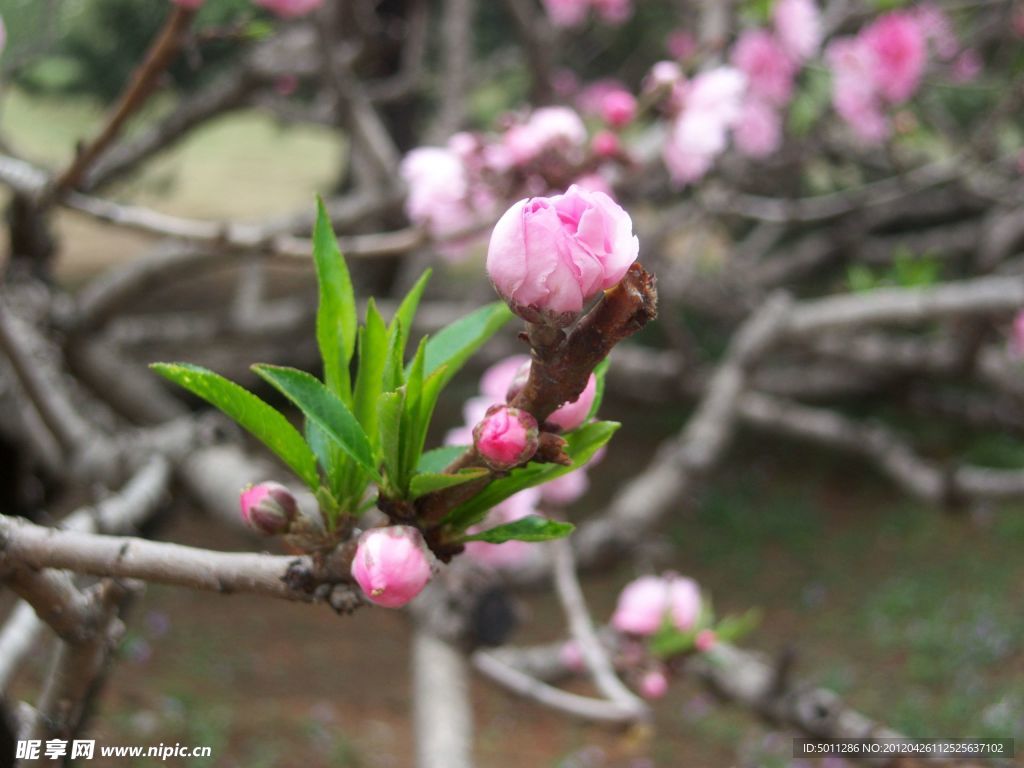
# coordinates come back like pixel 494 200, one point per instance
pixel 684 602
pixel 654 684
pixel 572 415
pixel 618 108
pixel 706 640
pixel 506 437
pixel 1015 345
pixel 288 9
pixel 606 144
pixel 268 508
pixel 549 256
pixel 392 565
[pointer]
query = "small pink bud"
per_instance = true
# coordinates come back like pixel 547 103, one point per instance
pixel 706 640
pixel 654 684
pixel 549 256
pixel 618 108
pixel 268 507
pixel 606 144
pixel 572 415
pixel 506 437
pixel 1016 342
pixel 644 604
pixel 571 656
pixel 392 565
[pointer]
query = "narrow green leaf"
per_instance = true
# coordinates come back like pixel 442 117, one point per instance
pixel 406 311
pixel 456 343
pixel 428 482
pixel 529 528
pixel 581 446
pixel 411 412
pixel 324 409
pixel 436 460
pixel 336 312
pixel 394 376
pixel 370 374
pixel 389 415
pixel 262 421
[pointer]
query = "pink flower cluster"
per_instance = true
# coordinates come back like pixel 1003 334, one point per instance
pixel 572 13
pixel 883 65
pixel 453 188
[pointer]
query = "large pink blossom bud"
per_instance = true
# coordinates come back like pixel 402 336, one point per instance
pixel 572 415
pixel 506 437
pixel 288 9
pixel 392 565
pixel 268 508
pixel 549 256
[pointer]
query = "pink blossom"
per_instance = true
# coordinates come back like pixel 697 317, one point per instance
pixel 506 437
pixel 558 129
pixel 288 9
pixel 706 640
pixel 549 256
pixel 769 69
pixel 642 606
pixel 567 13
pixel 618 108
pixel 606 144
pixel 798 26
pixel 717 94
pixel 1016 341
pixel 900 53
pixel 268 508
pixel 646 603
pixel 680 44
pixel 654 684
pixel 391 565
pixel 854 95
pixel 510 554
pixel 591 99
pixel 596 182
pixel 938 29
pixel 664 74
pixel 758 132
pixel 572 415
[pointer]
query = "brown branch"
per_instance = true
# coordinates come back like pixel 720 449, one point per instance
pixel 144 80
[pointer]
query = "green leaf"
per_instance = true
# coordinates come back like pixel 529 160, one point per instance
pixel 427 482
pixel 410 454
pixel 336 312
pixel 456 343
pixel 581 446
pixel 323 408
pixel 529 528
pixel 393 376
pixel 389 414
pixel 370 374
pixel 406 311
pixel 262 421
pixel 436 460
pixel 732 628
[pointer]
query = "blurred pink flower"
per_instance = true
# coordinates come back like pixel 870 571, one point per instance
pixel 654 684
pixel 618 108
pixel 571 415
pixel 595 182
pixel 966 67
pixel 758 132
pixel 854 95
pixel 548 128
pixel 645 604
pixel 937 29
pixel 699 134
pixel 769 69
pixel 288 9
pixel 566 489
pixel 613 11
pixel 496 380
pixel 1015 344
pixel 440 198
pixel 798 26
pixel 605 144
pixel 900 54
